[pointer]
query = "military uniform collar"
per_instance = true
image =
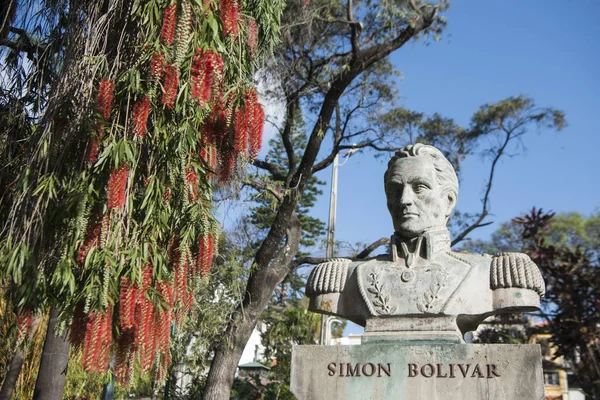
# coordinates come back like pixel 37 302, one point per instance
pixel 424 246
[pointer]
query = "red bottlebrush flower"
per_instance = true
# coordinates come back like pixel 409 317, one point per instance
pixel 92 240
pixel 256 130
pixel 146 336
pixel 141 109
pixel 105 97
pixel 192 184
pixel 106 339
pixel 252 37
pixel 171 86
pixel 205 254
pixel 91 151
pixel 128 299
pixel 229 16
pixel 167 32
pixel 117 185
pixel 181 276
pixel 98 337
pixel 164 321
pixel 206 75
pixel 89 349
pixel 157 65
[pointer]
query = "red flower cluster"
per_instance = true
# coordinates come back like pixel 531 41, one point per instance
pixel 145 323
pixel 252 37
pixel 145 327
pixel 205 254
pixel 127 302
pixel 117 187
pixel 171 85
pixel 98 338
pixel 167 32
pixel 256 131
pixel 105 97
pixel 229 16
pixel 141 109
pixel 208 153
pixel 206 75
pixel 191 177
pixel 157 65
pixel 249 125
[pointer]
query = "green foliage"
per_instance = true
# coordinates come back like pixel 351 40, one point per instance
pixel 94 191
pixel 565 247
pixel 285 327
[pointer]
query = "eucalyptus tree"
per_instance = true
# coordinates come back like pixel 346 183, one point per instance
pixel 333 68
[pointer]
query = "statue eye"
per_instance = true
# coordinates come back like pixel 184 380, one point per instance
pixel 420 187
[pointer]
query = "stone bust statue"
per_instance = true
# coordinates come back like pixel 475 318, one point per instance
pixel 422 290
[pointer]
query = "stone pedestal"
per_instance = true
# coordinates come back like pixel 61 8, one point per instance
pixel 398 371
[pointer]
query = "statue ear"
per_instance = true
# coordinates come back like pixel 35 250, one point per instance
pixel 451 199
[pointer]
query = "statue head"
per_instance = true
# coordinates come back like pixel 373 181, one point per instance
pixel 421 187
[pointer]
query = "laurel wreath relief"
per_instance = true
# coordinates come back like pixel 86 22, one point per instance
pixel 382 300
pixel 438 279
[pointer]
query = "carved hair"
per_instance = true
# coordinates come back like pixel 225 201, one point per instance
pixel 445 174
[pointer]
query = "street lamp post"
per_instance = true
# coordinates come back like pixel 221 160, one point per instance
pixel 330 235
pixel 329 252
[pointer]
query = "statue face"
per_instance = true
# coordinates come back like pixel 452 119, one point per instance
pixel 415 198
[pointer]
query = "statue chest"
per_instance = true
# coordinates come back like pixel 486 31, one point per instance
pixel 428 287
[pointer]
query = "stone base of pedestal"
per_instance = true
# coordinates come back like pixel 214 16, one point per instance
pixel 395 371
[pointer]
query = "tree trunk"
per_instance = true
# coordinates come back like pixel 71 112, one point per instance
pixel 10 381
pixel 273 260
pixel 53 366
pixel 258 293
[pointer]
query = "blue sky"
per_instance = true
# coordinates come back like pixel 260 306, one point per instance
pixel 548 51
pixel 493 50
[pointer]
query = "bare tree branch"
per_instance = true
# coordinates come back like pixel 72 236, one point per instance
pixel 485 202
pixel 263 186
pixel 286 135
pixel 372 247
pixel 271 168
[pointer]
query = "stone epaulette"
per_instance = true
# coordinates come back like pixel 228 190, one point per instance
pixel 328 277
pixel 515 270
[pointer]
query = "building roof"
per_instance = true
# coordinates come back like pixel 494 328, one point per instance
pixel 254 364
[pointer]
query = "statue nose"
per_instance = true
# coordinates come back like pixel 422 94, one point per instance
pixel 407 195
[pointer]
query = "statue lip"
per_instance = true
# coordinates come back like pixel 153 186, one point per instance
pixel 409 214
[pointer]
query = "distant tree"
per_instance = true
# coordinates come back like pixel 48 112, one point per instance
pixel 566 248
pixel 572 289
